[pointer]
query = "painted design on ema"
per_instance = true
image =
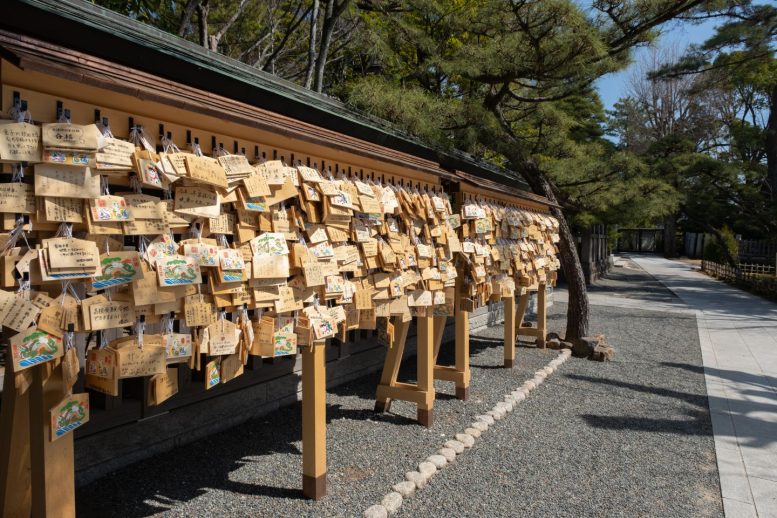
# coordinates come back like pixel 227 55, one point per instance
pixel 69 417
pixel 37 347
pixel 179 272
pixel 116 271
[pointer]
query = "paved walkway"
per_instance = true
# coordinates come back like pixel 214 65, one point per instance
pixel 738 335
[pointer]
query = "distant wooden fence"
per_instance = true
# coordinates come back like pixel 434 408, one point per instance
pixel 760 250
pixel 755 278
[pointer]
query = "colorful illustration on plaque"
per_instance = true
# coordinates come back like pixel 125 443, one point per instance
pixel 322 250
pixel 272 243
pixel 162 246
pixel 284 344
pixel 483 226
pixel 231 260
pixel 334 284
pixel 341 199
pixel 256 204
pixel 118 268
pixel 110 208
pixel 69 415
pixel 98 367
pixel 213 373
pixel 66 157
pixel 178 270
pixel 323 327
pixel 177 345
pixel 35 347
pixel 205 255
pixel 150 173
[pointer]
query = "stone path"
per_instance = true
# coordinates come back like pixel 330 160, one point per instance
pixel 738 335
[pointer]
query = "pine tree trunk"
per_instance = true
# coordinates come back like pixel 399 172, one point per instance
pixel 577 308
pixel 312 45
pixel 771 144
pixel 202 10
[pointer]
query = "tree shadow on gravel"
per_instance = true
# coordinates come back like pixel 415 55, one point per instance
pixel 760 381
pixel 750 429
pixel 185 473
pixel 699 400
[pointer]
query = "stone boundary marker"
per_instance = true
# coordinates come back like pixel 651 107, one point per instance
pixel 416 480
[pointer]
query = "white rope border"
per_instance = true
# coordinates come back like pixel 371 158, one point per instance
pixel 415 480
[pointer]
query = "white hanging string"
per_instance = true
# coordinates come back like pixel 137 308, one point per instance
pixel 243 312
pixel 17 173
pixel 138 137
pixel 140 329
pixel 168 146
pixel 67 340
pixel 13 237
pixel 135 184
pixel 106 130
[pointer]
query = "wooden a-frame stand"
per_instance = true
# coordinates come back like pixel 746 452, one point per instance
pixel 513 325
pixel 37 475
pixel 422 392
pixel 430 331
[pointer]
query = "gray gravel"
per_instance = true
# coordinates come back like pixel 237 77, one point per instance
pixel 630 438
pixel 256 469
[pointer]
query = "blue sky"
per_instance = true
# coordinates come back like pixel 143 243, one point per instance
pixel 613 86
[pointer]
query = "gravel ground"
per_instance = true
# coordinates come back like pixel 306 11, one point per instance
pixel 256 469
pixel 626 438
pixel 631 437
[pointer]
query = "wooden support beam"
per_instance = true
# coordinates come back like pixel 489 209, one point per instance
pixel 425 346
pixel 523 303
pixel 509 331
pixel 314 421
pixel 53 474
pixel 439 330
pixel 461 319
pixel 15 483
pixel 542 315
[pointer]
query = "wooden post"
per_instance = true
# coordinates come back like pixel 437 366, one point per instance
pixel 15 484
pixel 314 421
pixel 53 474
pixel 542 317
pixel 461 319
pixel 425 351
pixel 462 353
pixel 510 331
